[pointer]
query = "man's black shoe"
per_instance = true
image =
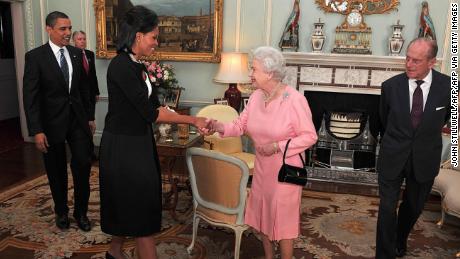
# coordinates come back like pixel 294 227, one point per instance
pixel 400 252
pixel 83 223
pixel 62 221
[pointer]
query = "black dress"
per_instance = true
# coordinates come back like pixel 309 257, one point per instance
pixel 130 182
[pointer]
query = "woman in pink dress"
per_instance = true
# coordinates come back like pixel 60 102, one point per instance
pixel 275 113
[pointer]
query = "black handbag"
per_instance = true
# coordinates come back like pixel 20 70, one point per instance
pixel 292 174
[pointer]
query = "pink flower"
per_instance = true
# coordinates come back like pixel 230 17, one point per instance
pixel 159 75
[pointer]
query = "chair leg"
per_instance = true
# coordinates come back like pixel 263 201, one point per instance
pixel 443 215
pixel 196 222
pixel 238 233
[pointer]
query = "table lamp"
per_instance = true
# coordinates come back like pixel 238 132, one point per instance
pixel 233 69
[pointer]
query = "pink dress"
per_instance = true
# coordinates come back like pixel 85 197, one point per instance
pixel 273 208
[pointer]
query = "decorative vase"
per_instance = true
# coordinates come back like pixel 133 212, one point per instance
pixel 318 38
pixel 396 42
pixel 233 95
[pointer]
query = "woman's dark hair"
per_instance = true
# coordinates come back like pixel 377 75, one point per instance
pixel 136 19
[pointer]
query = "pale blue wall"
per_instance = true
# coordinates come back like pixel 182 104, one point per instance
pixel 196 77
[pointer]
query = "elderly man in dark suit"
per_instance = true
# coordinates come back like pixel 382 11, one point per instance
pixel 57 107
pixel 89 67
pixel 414 107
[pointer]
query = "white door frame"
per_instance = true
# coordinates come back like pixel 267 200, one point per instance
pixel 19 24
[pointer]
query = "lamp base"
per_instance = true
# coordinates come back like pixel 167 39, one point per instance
pixel 233 95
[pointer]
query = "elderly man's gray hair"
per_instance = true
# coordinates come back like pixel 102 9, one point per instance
pixel 272 61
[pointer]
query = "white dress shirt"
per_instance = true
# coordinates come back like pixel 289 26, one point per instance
pixel 425 88
pixel 56 50
pixel 147 80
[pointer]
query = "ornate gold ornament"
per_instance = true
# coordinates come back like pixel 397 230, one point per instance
pixel 353 36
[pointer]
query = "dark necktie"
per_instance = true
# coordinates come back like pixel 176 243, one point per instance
pixel 64 67
pixel 85 63
pixel 417 105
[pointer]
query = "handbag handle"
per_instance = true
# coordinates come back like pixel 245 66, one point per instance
pixel 284 154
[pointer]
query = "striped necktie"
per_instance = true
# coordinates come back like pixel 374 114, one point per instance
pixel 64 67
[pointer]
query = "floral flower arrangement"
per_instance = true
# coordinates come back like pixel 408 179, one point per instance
pixel 162 75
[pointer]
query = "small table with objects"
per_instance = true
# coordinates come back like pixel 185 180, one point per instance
pixel 174 172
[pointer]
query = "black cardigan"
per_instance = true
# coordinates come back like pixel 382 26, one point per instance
pixel 130 110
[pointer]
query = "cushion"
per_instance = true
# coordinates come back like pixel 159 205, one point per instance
pixel 446 179
pixel 225 145
pixel 448 165
pixel 216 216
pixel 246 157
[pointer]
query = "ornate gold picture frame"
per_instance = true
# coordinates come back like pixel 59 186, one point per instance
pixel 193 33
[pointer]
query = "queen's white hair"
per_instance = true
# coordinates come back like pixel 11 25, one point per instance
pixel 272 61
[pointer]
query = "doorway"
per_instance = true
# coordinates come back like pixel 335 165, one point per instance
pixel 10 125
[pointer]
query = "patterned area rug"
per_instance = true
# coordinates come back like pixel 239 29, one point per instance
pixel 333 226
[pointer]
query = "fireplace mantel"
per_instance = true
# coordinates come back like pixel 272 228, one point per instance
pixel 341 73
pixel 307 58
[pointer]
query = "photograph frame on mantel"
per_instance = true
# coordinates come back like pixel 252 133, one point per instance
pixel 200 42
pixel 222 101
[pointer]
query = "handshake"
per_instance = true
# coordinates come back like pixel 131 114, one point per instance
pixel 208 126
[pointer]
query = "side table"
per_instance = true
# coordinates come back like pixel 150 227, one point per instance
pixel 172 159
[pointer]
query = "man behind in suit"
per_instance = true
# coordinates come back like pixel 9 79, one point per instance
pixel 414 106
pixel 57 107
pixel 89 67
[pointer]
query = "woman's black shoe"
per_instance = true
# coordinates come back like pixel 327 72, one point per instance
pixel 108 256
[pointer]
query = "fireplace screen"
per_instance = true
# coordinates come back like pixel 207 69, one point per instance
pixel 348 134
pixel 345 142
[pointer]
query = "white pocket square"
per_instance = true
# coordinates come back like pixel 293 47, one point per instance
pixel 440 108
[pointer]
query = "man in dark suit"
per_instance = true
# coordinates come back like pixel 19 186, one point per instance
pixel 414 107
pixel 57 107
pixel 89 67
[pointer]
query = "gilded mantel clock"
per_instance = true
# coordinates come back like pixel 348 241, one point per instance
pixel 353 36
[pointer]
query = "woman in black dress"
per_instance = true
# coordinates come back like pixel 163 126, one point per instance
pixel 130 182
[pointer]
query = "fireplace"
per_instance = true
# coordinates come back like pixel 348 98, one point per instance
pixel 348 123
pixel 343 92
pixel 348 129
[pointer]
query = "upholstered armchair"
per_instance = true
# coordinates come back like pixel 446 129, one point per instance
pixel 447 184
pixel 218 184
pixel 231 145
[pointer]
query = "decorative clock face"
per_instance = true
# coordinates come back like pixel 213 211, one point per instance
pixel 354 18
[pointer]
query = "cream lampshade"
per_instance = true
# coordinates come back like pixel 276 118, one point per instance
pixel 233 70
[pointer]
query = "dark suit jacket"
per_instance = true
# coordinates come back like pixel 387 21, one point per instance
pixel 47 101
pixel 91 79
pixel 400 139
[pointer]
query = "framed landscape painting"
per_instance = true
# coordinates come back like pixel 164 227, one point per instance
pixel 190 30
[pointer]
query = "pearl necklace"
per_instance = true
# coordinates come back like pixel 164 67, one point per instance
pixel 273 93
